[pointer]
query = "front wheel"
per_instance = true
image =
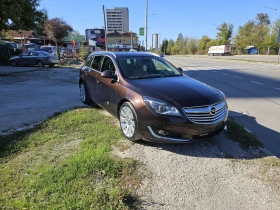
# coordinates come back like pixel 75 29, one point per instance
pixel 129 122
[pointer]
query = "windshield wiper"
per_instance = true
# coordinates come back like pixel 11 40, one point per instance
pixel 145 77
pixel 172 75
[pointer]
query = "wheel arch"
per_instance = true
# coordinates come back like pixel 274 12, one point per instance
pixel 120 104
pixel 13 60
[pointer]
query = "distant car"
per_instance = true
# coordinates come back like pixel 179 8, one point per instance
pixel 161 55
pixel 38 58
pixel 68 52
pixel 11 45
pixel 49 49
pixel 30 46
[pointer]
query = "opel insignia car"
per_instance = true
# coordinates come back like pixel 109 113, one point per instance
pixel 152 99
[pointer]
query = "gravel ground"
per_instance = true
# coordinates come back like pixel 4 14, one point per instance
pixel 200 176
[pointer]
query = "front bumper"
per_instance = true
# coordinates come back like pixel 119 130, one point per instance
pixel 179 129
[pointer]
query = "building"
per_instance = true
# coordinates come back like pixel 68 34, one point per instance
pixel 117 19
pixel 121 41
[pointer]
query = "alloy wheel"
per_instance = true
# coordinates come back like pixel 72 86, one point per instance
pixel 83 93
pixel 127 121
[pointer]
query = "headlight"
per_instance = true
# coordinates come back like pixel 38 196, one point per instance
pixel 160 107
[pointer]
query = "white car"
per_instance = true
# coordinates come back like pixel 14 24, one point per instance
pixel 49 49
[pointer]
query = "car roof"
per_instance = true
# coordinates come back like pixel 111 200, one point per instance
pixel 126 54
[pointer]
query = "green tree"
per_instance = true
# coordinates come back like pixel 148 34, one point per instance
pixel 244 36
pixel 202 43
pixel 263 19
pixel 224 33
pixel 170 46
pixel 22 14
pixel 56 29
pixel 164 46
pixel 180 45
pixel 192 46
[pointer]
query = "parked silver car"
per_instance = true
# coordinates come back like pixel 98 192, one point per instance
pixel 34 58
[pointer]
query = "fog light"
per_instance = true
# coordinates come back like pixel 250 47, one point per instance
pixel 161 132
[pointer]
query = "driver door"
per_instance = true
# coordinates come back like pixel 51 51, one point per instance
pixel 106 89
pixel 23 58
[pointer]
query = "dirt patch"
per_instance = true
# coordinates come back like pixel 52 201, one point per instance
pixel 198 176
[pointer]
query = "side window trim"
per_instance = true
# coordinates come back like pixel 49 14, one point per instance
pixel 99 65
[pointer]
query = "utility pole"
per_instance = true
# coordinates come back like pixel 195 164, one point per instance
pixel 146 25
pixel 131 41
pixel 105 29
pixel 268 49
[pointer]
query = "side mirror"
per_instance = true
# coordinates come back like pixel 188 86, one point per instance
pixel 109 74
pixel 181 70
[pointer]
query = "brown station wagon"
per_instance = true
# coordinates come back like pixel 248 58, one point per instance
pixel 152 99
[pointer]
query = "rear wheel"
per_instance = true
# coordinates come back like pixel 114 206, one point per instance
pixel 40 63
pixel 84 94
pixel 129 122
pixel 14 63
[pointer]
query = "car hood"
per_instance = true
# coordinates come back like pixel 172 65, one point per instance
pixel 180 89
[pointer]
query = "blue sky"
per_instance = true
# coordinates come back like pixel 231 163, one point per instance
pixel 192 18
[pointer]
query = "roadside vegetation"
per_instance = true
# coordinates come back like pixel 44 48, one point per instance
pixel 239 134
pixel 255 32
pixel 66 163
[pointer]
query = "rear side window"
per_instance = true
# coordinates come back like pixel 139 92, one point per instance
pixel 96 63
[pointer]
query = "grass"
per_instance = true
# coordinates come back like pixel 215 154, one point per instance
pixel 238 134
pixel 66 163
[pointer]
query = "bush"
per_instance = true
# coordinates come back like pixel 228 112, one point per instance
pixel 84 53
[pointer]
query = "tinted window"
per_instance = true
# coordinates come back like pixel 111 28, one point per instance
pixel 96 62
pixel 108 65
pixel 146 67
pixel 25 53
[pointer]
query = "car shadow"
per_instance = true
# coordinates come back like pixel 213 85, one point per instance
pixel 220 146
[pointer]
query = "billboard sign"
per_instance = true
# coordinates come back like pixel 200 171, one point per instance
pixel 97 37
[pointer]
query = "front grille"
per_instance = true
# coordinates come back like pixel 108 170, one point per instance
pixel 207 114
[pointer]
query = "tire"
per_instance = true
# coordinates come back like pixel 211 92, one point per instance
pixel 40 63
pixel 51 65
pixel 84 94
pixel 129 122
pixel 14 63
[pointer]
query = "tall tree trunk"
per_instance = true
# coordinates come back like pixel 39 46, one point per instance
pixel 57 51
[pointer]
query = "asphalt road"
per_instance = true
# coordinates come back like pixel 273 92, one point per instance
pixel 252 90
pixel 255 58
pixel 30 94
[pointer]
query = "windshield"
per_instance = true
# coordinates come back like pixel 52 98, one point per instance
pixel 146 67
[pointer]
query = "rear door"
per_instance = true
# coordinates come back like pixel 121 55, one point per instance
pixel 33 57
